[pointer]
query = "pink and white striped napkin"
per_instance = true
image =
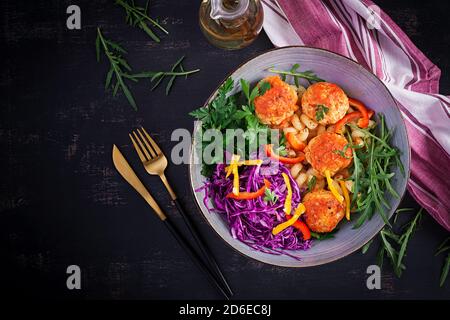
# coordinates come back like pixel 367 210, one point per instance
pixel 361 31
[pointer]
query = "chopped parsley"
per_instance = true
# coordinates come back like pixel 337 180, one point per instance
pixel 321 111
pixel 270 196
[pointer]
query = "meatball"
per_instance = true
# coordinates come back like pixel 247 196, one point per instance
pixel 326 152
pixel 325 102
pixel 277 104
pixel 323 211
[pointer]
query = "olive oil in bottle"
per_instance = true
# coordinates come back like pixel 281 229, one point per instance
pixel 231 24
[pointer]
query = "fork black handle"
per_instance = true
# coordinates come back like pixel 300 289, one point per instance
pixel 194 256
pixel 201 243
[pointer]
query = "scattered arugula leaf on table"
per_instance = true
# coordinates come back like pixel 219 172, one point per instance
pixel 118 64
pixel 158 76
pixel 120 70
pixel 444 247
pixel 138 16
pixel 394 245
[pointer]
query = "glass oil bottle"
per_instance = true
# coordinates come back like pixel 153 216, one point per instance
pixel 231 24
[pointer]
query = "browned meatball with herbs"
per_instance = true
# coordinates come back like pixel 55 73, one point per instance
pixel 323 211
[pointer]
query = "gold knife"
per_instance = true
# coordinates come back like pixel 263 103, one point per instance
pixel 128 174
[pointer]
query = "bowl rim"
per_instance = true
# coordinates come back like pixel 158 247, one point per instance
pixel 407 171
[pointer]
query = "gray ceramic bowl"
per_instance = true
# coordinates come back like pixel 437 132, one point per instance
pixel 358 83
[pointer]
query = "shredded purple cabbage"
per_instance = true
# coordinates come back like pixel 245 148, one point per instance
pixel 252 221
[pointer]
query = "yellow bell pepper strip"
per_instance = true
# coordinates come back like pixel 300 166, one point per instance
pixel 282 226
pixel 234 161
pixel 235 180
pixel 332 188
pixel 288 201
pixel 281 159
pixel 347 199
pixel 253 162
pixel 233 169
pixel 250 195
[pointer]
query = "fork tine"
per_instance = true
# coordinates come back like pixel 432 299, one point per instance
pixel 152 142
pixel 149 148
pixel 142 146
pixel 138 150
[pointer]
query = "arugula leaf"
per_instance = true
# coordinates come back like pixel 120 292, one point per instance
pixel 138 16
pixel 341 153
pixel 404 239
pixel 444 272
pixel 158 76
pixel 366 247
pixel 308 75
pixel 321 111
pixel 371 172
pixel 394 245
pixel 445 268
pixel 270 196
pixel 443 247
pixel 113 52
pixel 294 70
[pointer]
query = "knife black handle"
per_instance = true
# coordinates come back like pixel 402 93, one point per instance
pixel 204 249
pixel 194 256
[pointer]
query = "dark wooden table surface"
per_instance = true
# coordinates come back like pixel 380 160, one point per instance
pixel 63 203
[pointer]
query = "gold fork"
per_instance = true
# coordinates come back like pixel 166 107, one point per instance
pixel 155 163
pixel 153 159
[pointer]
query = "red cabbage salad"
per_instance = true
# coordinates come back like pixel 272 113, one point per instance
pixel 253 221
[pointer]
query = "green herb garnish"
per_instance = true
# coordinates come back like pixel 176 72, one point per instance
pixel 138 16
pixel 281 151
pixel 118 64
pixel 228 111
pixel 321 111
pixel 312 183
pixel 258 90
pixel 308 75
pixel 324 236
pixel 342 152
pixel 263 87
pixel 270 196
